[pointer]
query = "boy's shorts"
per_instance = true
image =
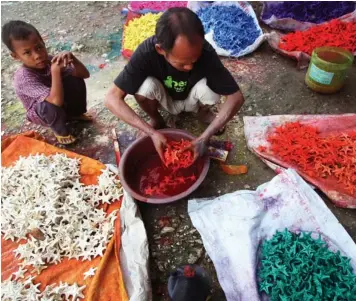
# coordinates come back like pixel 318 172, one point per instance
pixel 199 95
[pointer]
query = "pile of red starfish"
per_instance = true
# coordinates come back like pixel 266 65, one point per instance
pixel 175 155
pixel 176 158
pixel 334 33
pixel 302 147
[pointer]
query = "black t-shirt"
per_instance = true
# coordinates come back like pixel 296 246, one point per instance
pixel 147 62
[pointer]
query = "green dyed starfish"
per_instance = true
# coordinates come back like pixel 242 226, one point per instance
pixel 298 267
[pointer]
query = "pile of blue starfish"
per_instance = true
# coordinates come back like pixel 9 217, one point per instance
pixel 298 267
pixel 234 30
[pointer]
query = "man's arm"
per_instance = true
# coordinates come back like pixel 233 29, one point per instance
pixel 115 102
pixel 231 106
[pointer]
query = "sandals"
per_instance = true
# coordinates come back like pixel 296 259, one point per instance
pixel 65 139
pixel 83 117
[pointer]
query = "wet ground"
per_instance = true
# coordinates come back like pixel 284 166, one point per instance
pixel 270 83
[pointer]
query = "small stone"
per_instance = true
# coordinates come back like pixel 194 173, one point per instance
pixel 104 55
pixel 192 231
pixel 156 236
pixel 160 267
pixel 167 230
pixel 192 258
pixel 247 186
pixel 199 241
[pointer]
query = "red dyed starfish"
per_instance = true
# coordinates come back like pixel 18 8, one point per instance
pixel 326 157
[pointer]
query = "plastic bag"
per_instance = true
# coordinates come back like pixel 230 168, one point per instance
pixel 209 36
pixel 289 24
pixel 257 130
pixel 144 7
pixel 127 53
pixel 232 227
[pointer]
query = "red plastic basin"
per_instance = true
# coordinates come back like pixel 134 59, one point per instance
pixel 143 148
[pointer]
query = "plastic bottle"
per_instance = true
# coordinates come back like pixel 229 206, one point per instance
pixel 328 68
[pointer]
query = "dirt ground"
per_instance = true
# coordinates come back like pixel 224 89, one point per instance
pixel 270 83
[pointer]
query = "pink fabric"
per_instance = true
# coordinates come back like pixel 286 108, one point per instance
pixel 33 86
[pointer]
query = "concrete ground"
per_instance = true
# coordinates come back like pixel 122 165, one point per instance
pixel 270 83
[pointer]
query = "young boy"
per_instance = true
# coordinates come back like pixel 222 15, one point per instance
pixel 51 88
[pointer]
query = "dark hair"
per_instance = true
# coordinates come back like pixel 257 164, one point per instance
pixel 177 21
pixel 17 30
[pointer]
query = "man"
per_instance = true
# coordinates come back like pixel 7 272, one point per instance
pixel 176 70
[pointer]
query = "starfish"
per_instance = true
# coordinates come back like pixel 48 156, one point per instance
pixel 90 273
pixel 20 273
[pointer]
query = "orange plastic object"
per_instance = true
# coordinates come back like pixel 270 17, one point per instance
pixel 234 169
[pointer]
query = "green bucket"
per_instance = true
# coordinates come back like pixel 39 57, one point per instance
pixel 328 68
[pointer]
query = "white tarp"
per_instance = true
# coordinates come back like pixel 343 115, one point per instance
pixel 232 227
pixel 134 253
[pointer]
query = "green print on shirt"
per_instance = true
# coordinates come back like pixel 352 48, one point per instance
pixel 177 86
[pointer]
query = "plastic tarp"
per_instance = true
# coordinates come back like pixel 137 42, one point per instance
pixel 257 130
pixel 302 58
pixel 209 36
pixel 234 225
pixel 288 24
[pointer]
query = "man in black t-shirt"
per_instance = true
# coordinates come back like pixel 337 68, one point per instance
pixel 176 70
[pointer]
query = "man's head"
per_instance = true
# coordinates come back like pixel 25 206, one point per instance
pixel 25 44
pixel 180 37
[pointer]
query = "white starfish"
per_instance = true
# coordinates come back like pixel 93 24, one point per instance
pixel 45 193
pixel 20 273
pixel 90 273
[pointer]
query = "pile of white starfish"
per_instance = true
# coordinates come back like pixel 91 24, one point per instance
pixel 44 201
pixel 14 291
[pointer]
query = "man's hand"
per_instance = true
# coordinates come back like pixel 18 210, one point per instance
pixel 66 57
pixel 198 146
pixel 159 142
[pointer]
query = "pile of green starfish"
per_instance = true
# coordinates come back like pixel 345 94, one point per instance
pixel 298 267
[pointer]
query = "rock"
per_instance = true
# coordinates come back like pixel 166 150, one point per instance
pixel 192 231
pixel 167 230
pixel 63 32
pixel 192 258
pixel 199 252
pixel 77 47
pixel 104 55
pixel 199 241
pixel 160 267
pixel 156 236
pixel 247 186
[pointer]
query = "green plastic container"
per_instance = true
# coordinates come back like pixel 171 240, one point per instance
pixel 327 69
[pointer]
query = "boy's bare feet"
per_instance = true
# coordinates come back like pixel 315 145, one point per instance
pixel 84 117
pixel 65 139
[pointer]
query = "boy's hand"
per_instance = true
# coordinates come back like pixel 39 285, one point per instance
pixel 66 57
pixel 56 66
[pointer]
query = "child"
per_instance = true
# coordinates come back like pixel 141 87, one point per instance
pixel 52 89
